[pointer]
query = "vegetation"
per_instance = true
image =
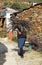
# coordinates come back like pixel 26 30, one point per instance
pixel 6 3
pixel 40 52
pixel 39 1
pixel 23 1
pixel 15 40
pixel 3 34
pixel 18 6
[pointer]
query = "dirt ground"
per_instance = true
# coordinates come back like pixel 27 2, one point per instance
pixel 9 56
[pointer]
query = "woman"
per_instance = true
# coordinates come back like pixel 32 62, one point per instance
pixel 21 35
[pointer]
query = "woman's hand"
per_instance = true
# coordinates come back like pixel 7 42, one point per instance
pixel 19 32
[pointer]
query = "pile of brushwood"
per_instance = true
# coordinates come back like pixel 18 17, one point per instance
pixel 35 42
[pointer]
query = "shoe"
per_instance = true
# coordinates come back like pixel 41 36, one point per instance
pixel 19 53
pixel 22 56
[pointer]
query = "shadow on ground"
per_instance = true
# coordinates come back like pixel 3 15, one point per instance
pixel 3 50
pixel 18 50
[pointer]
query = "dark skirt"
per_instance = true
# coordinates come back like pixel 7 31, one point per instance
pixel 21 42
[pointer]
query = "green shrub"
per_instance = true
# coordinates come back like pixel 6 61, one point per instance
pixel 5 3
pixel 16 6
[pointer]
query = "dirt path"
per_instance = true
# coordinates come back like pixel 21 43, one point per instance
pixel 8 59
pixel 11 57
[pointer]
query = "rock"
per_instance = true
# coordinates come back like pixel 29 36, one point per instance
pixel 3 48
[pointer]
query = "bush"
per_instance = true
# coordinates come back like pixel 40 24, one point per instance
pixel 5 3
pixel 16 6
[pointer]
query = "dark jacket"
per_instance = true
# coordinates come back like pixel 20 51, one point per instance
pixel 23 33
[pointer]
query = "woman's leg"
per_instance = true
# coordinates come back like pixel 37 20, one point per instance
pixel 21 42
pixel 20 52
